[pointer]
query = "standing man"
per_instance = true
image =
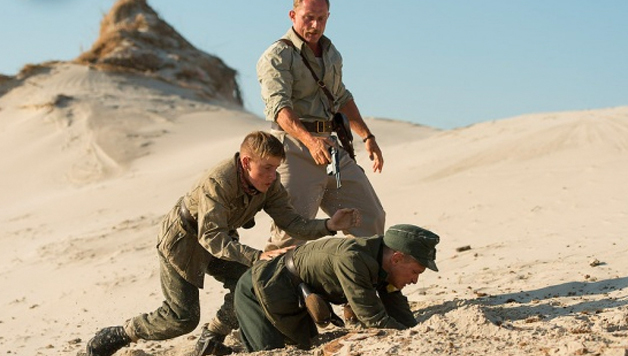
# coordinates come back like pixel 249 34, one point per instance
pixel 302 112
pixel 367 273
pixel 199 237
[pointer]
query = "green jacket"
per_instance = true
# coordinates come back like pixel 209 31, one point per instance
pixel 340 270
pixel 286 81
pixel 220 206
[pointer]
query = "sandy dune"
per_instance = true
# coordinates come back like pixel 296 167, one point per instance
pixel 532 212
pixel 93 160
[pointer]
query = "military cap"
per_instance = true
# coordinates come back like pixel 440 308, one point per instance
pixel 414 241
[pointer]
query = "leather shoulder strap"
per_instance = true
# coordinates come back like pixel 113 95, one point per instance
pixel 320 83
pixel 289 263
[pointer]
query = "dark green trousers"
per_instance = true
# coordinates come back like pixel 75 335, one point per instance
pixel 180 311
pixel 257 332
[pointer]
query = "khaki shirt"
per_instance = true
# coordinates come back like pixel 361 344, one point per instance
pixel 287 82
pixel 220 206
pixel 340 270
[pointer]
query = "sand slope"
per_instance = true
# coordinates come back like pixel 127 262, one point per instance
pixel 532 210
pixel 92 161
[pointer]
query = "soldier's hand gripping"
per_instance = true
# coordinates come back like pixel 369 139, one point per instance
pixel 318 147
pixel 344 219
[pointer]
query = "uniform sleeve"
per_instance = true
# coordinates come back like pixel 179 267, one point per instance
pixel 275 78
pixel 215 235
pixel 397 306
pixel 278 207
pixel 357 277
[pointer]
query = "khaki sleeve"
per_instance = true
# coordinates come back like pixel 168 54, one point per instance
pixel 275 78
pixel 214 234
pixel 283 214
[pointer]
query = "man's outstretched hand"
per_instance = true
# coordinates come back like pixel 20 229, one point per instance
pixel 344 219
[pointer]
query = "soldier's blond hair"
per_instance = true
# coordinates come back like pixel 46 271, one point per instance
pixel 261 145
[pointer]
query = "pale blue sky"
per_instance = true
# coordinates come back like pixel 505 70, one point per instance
pixel 440 63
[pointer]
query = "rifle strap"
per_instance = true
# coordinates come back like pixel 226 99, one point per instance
pixel 344 132
pixel 320 83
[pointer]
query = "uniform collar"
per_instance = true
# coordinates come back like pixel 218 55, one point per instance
pixel 246 187
pixel 381 274
pixel 300 43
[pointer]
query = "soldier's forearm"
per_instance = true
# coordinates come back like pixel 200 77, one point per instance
pixel 350 109
pixel 291 124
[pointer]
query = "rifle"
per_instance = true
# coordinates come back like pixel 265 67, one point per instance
pixel 333 168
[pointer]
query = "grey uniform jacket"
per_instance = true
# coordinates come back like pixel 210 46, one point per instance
pixel 220 206
pixel 341 270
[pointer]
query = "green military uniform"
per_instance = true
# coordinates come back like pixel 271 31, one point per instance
pixel 339 270
pixel 286 82
pixel 218 204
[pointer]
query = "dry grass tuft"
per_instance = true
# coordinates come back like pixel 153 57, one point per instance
pixel 33 69
pixel 133 38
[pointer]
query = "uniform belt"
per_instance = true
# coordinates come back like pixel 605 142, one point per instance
pixel 189 222
pixel 289 262
pixel 318 126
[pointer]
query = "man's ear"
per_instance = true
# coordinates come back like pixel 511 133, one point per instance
pixel 246 162
pixel 397 257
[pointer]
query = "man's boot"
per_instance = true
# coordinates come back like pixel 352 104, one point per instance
pixel 107 341
pixel 211 343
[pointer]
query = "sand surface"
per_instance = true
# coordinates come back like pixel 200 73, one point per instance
pixel 532 212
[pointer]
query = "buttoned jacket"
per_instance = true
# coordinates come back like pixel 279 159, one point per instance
pixel 341 270
pixel 220 206
pixel 287 82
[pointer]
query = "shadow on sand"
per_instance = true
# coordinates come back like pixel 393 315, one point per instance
pixel 541 302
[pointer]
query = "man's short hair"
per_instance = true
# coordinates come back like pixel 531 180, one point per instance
pixel 298 3
pixel 260 145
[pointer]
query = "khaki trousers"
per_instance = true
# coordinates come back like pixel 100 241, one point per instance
pixel 310 188
pixel 180 311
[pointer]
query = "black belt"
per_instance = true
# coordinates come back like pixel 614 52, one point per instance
pixel 189 222
pixel 318 126
pixel 289 262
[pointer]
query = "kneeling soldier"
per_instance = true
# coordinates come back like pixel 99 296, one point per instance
pixel 366 273
pixel 199 237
